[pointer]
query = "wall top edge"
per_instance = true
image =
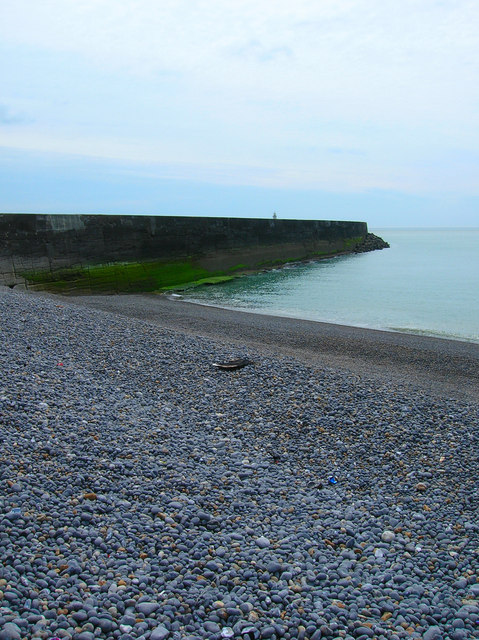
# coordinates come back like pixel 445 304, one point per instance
pixel 171 217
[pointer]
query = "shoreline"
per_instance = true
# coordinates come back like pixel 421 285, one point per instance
pixel 436 365
pixel 420 333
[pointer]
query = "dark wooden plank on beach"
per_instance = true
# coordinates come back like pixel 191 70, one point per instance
pixel 232 365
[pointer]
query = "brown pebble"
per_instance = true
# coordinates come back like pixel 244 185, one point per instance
pixel 421 486
pixel 90 496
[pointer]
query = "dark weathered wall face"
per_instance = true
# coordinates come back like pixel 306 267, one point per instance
pixel 34 241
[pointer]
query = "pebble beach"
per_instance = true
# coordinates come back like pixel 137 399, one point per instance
pixel 147 495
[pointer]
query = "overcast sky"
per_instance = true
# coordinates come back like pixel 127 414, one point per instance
pixel 342 109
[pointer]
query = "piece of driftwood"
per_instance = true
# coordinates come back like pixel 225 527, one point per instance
pixel 232 364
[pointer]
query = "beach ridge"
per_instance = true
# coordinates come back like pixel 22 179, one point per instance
pixel 149 495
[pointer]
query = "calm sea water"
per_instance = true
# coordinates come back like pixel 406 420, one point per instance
pixel 427 283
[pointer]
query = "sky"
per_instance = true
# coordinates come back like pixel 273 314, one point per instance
pixel 324 109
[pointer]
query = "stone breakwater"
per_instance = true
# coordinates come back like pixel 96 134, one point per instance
pixel 146 495
pixel 371 242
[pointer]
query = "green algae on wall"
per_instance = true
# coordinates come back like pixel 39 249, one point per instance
pixel 123 278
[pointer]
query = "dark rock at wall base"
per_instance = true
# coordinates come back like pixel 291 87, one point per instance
pixel 371 242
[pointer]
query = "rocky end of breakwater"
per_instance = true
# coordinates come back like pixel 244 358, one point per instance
pixel 371 242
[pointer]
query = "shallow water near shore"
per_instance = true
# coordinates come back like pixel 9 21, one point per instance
pixel 427 283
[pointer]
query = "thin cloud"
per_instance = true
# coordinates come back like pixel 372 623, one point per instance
pixel 344 151
pixel 8 117
pixel 259 52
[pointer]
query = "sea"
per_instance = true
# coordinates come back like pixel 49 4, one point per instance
pixel 426 283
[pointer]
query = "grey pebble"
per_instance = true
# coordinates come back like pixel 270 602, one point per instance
pixel 274 567
pixel 147 608
pixel 85 635
pixel 10 631
pixel 263 542
pixel 433 633
pixel 159 633
pixel 388 536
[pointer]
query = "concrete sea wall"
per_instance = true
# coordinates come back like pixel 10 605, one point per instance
pixel 32 242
